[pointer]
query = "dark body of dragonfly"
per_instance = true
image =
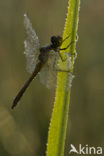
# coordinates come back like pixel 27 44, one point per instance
pixel 37 60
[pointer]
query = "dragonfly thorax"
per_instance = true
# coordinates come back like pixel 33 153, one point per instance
pixel 44 53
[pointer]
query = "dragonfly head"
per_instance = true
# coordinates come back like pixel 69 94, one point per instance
pixel 56 41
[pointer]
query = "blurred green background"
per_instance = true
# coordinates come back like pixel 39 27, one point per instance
pixel 24 130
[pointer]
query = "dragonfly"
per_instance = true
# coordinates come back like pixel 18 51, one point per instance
pixel 40 59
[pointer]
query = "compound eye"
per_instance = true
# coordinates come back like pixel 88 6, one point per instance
pixel 53 39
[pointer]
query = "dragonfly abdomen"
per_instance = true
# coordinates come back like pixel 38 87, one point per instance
pixel 26 85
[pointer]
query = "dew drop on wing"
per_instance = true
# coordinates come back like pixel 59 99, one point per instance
pixel 48 74
pixel 31 45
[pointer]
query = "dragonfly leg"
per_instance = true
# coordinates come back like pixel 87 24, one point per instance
pixel 63 60
pixel 67 46
pixel 65 49
pixel 69 54
pixel 70 43
pixel 66 38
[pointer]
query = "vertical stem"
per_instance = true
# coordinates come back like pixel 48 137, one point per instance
pixel 58 124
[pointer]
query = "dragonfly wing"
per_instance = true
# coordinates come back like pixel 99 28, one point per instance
pixel 31 45
pixel 48 74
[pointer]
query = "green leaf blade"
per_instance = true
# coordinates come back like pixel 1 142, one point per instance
pixel 58 124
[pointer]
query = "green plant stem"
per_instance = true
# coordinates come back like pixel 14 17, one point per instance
pixel 58 124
